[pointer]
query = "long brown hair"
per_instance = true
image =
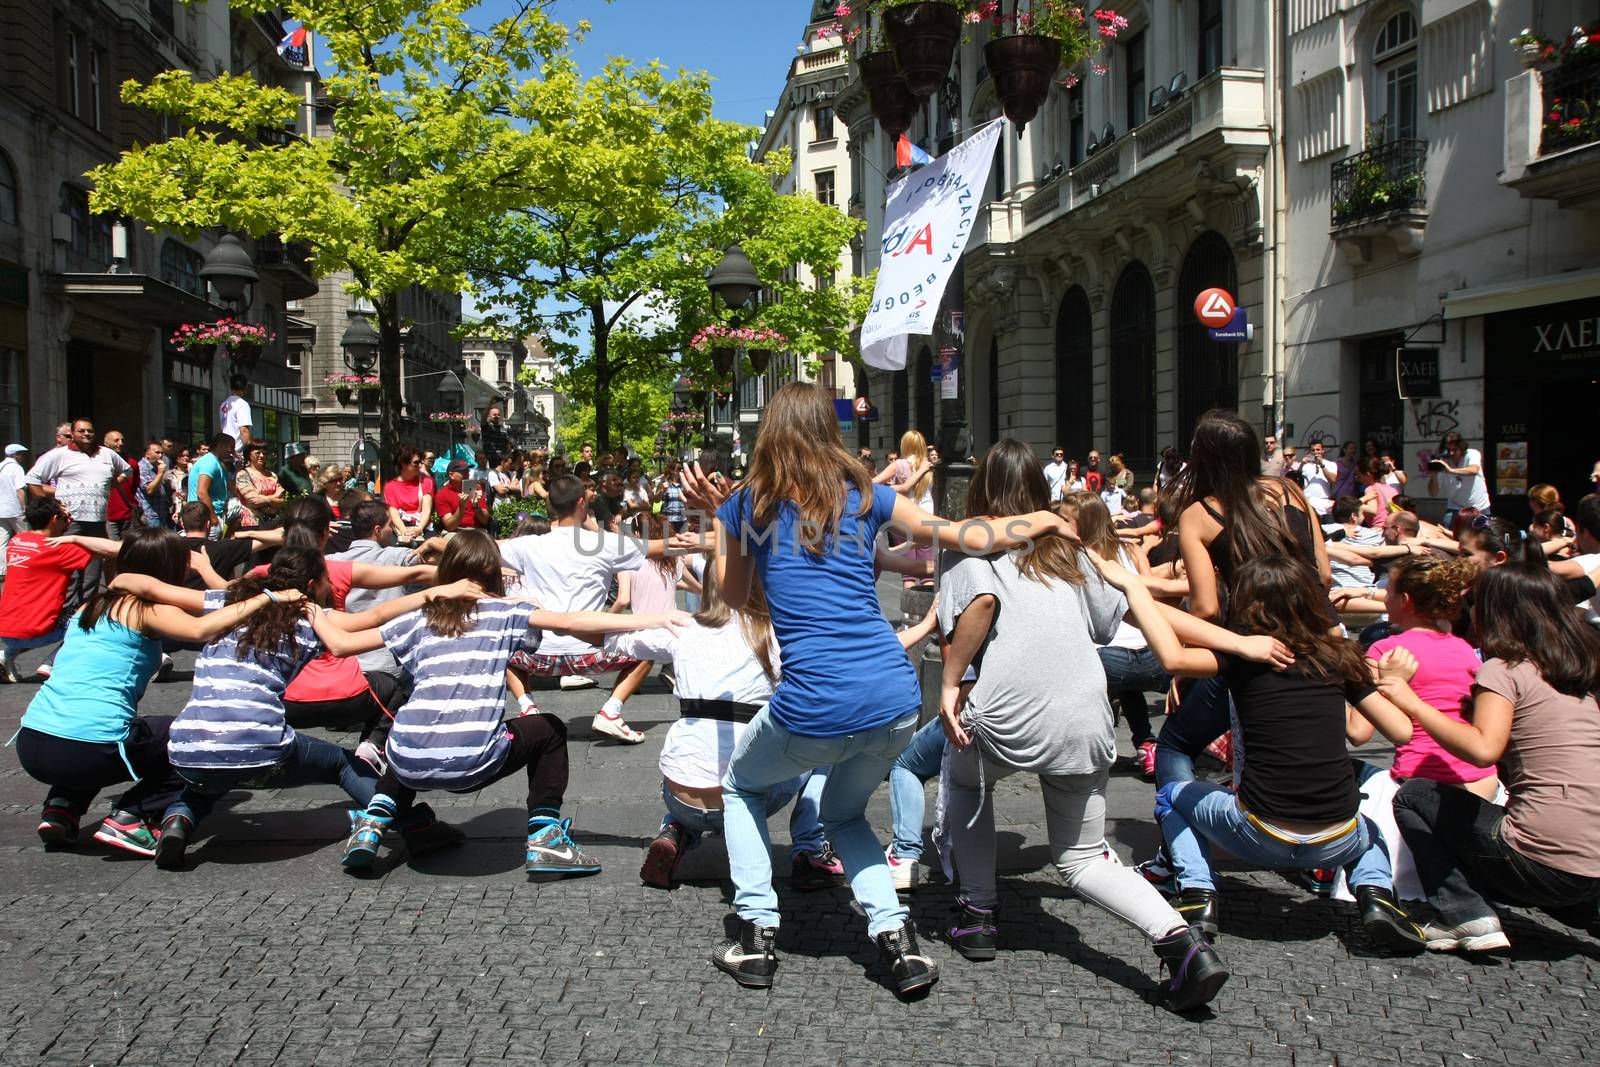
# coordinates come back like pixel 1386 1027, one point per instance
pixel 1523 614
pixel 1093 519
pixel 1009 481
pixel 470 554
pixel 1282 596
pixel 800 459
pixel 754 620
pixel 1225 463
pixel 161 554
pixel 266 631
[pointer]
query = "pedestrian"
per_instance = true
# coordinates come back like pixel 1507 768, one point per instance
pixel 299 474
pixel 448 734
pixel 1121 475
pixel 1393 473
pixel 1297 806
pixel 261 496
pixel 1458 471
pixel 1272 461
pixel 1376 494
pixel 82 731
pixel 236 418
pixel 458 504
pixel 45 583
pixel 122 504
pixel 1347 464
pixel 13 497
pixel 496 441
pixel 1093 478
pixel 178 486
pixel 669 491
pixel 154 494
pixel 208 478
pixel 911 475
pixel 81 477
pixel 1171 465
pixel 1535 714
pixel 1055 474
pixel 805 521
pixel 1317 477
pixel 409 496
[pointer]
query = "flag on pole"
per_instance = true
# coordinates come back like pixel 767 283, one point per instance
pixel 907 154
pixel 293 47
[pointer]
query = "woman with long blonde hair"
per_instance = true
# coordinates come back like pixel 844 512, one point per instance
pixel 912 476
pixel 805 520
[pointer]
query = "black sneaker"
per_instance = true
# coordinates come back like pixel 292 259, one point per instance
pixel 973 932
pixel 752 957
pixel 817 870
pixel 662 858
pixel 1195 973
pixel 175 831
pixel 1199 908
pixel 1385 922
pixel 58 823
pixel 913 971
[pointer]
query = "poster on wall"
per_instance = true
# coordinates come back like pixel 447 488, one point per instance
pixel 1511 468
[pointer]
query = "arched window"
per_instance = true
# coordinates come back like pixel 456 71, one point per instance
pixel 1133 368
pixel 923 413
pixel 1394 78
pixel 1208 371
pixel 8 191
pixel 1075 374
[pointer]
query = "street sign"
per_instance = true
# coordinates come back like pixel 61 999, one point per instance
pixel 864 409
pixel 1214 308
pixel 1237 331
pixel 364 454
pixel 1416 371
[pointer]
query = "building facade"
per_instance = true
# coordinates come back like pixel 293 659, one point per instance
pixel 88 302
pixel 1437 207
pixel 521 373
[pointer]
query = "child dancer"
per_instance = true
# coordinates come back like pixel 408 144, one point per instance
pixel 449 734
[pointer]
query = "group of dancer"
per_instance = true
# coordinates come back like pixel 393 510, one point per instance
pixel 793 687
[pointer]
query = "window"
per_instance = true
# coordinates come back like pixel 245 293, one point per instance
pixel 11 394
pixel 824 179
pixel 475 366
pixel 999 168
pixel 74 89
pixel 94 87
pixel 824 280
pixel 180 267
pixel 1394 61
pixel 822 123
pixel 8 191
pixel 91 234
pixel 1133 84
pixel 1075 125
pixel 1210 16
pixel 503 367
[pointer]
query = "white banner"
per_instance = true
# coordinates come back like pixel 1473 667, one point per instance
pixel 926 225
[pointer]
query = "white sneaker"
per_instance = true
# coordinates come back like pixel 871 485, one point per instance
pixel 42 670
pixel 907 874
pixel 577 681
pixel 164 669
pixel 1474 935
pixel 372 756
pixel 613 726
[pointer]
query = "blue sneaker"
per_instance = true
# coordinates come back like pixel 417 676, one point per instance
pixel 366 833
pixel 551 850
pixel 1157 870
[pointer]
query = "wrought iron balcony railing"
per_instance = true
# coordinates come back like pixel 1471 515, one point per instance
pixel 1387 179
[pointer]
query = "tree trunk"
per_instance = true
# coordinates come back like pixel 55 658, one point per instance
pixel 600 335
pixel 389 380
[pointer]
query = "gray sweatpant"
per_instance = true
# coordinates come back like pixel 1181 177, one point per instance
pixel 1075 818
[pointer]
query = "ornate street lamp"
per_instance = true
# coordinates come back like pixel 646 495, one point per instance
pixel 360 344
pixel 733 278
pixel 230 271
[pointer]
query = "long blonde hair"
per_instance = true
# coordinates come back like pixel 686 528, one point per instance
pixel 800 458
pixel 914 451
pixel 754 620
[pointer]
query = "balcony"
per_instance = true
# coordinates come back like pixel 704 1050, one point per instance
pixel 290 264
pixel 1381 193
pixel 1552 136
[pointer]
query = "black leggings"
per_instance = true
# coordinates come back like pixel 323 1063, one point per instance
pixel 365 710
pixel 76 771
pixel 538 742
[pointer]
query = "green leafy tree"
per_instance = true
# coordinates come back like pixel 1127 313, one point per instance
pixel 435 127
pixel 612 272
pixel 637 411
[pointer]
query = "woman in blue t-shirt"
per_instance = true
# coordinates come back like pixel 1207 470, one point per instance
pixel 805 520
pixel 82 732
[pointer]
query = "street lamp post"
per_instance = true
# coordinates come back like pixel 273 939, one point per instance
pixel 360 344
pixel 230 271
pixel 735 281
pixel 452 396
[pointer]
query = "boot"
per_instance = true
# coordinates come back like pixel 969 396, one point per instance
pixel 1386 922
pixel 912 970
pixel 1199 908
pixel 175 831
pixel 1195 971
pixel 752 957
pixel 973 932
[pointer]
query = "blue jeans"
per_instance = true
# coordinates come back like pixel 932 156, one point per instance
pixel 1195 815
pixel 1130 674
pixel 310 761
pixel 919 762
pixel 769 754
pixel 13 645
pixel 1201 718
pixel 805 826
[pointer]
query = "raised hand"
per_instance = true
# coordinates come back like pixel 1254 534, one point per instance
pixel 1263 648
pixel 466 587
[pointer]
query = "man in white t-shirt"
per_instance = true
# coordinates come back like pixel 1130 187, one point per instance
pixel 81 477
pixel 1055 473
pixel 13 497
pixel 1458 470
pixel 1317 475
pixel 571 569
pixel 236 414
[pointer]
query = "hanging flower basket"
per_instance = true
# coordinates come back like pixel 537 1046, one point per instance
pixel 892 103
pixel 230 333
pixel 722 360
pixel 718 336
pixel 923 39
pixel 1022 66
pixel 759 358
pixel 456 417
pixel 353 382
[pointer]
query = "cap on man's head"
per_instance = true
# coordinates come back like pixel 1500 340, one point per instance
pixel 458 466
pixel 13 449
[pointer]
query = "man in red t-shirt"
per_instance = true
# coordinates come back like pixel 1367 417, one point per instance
pixel 43 585
pixel 458 507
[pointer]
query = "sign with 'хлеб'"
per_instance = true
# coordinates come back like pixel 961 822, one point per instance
pixel 1416 370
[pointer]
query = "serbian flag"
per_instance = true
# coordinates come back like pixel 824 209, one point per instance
pixel 293 46
pixel 907 154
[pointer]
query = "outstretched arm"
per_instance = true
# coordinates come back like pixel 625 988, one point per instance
pixel 972 627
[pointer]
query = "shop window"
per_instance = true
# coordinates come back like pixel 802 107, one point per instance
pixel 8 190
pixel 1075 374
pixel 1394 68
pixel 180 267
pixel 1382 411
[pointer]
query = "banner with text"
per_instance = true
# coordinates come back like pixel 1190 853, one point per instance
pixel 926 225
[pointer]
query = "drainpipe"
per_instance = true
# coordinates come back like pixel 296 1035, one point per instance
pixel 1277 283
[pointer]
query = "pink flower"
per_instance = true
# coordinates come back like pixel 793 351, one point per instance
pixel 842 11
pixel 1070 81
pixel 1099 68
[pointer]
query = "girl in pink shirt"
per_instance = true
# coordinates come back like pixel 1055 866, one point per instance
pixel 1425 594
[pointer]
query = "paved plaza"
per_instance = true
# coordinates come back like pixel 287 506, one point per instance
pixel 265 952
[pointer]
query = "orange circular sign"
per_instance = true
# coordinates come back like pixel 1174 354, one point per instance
pixel 1214 307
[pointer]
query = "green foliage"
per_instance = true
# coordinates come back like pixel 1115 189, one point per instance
pixel 508 513
pixel 637 411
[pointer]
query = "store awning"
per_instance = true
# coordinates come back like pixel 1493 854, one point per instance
pixel 137 299
pixel 1523 293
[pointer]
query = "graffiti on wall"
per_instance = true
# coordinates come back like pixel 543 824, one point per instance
pixel 1435 418
pixel 1324 428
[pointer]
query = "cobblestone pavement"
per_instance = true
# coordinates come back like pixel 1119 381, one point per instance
pixel 264 952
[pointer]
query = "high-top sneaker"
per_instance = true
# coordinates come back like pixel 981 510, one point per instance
pixel 1195 972
pixel 973 932
pixel 752 957
pixel 1386 922
pixel 58 822
pixel 912 970
pixel 170 850
pixel 1199 908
